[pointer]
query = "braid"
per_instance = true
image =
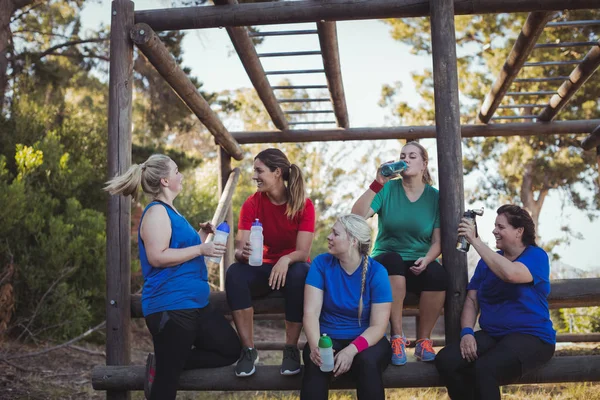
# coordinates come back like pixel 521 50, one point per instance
pixel 363 282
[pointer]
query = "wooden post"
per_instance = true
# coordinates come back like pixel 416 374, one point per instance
pixel 447 122
pixel 228 258
pixel 532 29
pixel 593 140
pixel 118 221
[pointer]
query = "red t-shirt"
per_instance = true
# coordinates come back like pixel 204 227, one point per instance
pixel 279 231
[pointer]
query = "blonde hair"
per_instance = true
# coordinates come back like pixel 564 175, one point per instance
pixel 425 156
pixel 357 228
pixel 147 174
pixel 296 196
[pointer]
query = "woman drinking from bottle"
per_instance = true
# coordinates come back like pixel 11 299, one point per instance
pixel 348 297
pixel 509 291
pixel 288 225
pixel 407 245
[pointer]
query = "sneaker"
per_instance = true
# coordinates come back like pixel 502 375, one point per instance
pixel 399 344
pixel 424 350
pixel 150 373
pixel 291 360
pixel 246 364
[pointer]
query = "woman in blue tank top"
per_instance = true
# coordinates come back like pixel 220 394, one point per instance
pixel 187 332
pixel 509 289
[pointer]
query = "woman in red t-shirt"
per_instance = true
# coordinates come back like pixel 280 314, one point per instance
pixel 288 222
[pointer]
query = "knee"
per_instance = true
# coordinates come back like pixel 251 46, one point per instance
pixel 233 276
pixel 436 278
pixel 366 363
pixel 296 275
pixel 393 263
pixel 445 361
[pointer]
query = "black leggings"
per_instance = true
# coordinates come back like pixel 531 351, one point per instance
pixel 367 369
pixel 500 361
pixel 433 279
pixel 175 332
pixel 245 282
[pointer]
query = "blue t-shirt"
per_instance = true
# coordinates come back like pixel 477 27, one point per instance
pixel 180 287
pixel 516 307
pixel 341 294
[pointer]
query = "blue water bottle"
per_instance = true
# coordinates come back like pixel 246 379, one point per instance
pixel 393 168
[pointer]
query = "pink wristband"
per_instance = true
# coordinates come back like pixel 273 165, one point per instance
pixel 375 186
pixel 360 343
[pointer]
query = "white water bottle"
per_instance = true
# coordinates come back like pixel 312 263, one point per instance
pixel 221 234
pixel 326 352
pixel 256 244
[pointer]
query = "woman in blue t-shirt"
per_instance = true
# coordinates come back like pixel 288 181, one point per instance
pixel 348 297
pixel 510 288
pixel 187 332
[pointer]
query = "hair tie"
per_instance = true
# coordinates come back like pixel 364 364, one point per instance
pixel 143 165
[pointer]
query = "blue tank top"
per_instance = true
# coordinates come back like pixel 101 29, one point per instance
pixel 180 287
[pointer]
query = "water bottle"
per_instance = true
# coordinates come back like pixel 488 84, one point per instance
pixel 221 234
pixel 393 168
pixel 256 244
pixel 462 244
pixel 326 351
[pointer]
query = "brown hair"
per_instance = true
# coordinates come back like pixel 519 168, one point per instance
pixel 425 156
pixel 519 218
pixel 357 228
pixel 147 174
pixel 296 197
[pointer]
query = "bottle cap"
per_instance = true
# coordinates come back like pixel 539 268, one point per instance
pixel 223 227
pixel 325 341
pixel 256 223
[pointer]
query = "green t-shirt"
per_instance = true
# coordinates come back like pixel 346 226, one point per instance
pixel 405 227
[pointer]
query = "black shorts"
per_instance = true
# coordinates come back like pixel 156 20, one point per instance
pixel 433 279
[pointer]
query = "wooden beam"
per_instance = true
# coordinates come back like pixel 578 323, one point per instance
pixel 228 180
pixel 247 52
pixel 331 62
pixel 416 132
pixel 159 56
pixel 592 141
pixel 118 219
pixel 415 374
pixel 532 29
pixel 285 12
pixel 578 77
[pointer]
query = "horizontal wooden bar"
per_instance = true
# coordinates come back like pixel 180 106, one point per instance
pixel 592 141
pixel 416 132
pixel 268 377
pixel 538 93
pixel 500 117
pixel 291 53
pixel 296 71
pixel 286 12
pixel 573 24
pixel 522 106
pixel 310 112
pixel 551 63
pixel 565 293
pixel 295 87
pixel 321 100
pixel 312 122
pixel 284 33
pixel 548 79
pixel 564 44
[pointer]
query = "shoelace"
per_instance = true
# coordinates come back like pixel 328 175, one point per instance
pixel 426 344
pixel 247 354
pixel 397 345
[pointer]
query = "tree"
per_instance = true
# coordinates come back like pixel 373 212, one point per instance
pixel 512 169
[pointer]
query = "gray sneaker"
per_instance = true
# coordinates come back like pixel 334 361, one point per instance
pixel 291 360
pixel 246 364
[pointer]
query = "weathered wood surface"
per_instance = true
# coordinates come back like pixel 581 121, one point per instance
pixel 414 374
pixel 224 177
pixel 160 57
pixel 416 132
pixel 331 61
pixel 247 53
pixel 593 140
pixel 532 29
pixel 333 10
pixel 118 221
pixel 570 86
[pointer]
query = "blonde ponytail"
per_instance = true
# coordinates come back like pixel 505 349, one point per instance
pixel 147 174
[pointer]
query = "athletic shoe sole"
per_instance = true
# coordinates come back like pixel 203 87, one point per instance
pixel 243 374
pixel 289 373
pixel 399 364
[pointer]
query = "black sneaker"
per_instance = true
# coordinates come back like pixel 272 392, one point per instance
pixel 291 360
pixel 246 364
pixel 150 373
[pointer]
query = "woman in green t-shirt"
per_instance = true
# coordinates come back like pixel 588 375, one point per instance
pixel 407 245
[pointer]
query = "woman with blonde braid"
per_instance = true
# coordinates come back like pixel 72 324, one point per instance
pixel 348 297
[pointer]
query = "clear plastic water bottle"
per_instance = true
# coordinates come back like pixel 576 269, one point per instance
pixel 256 244
pixel 393 168
pixel 221 234
pixel 326 352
